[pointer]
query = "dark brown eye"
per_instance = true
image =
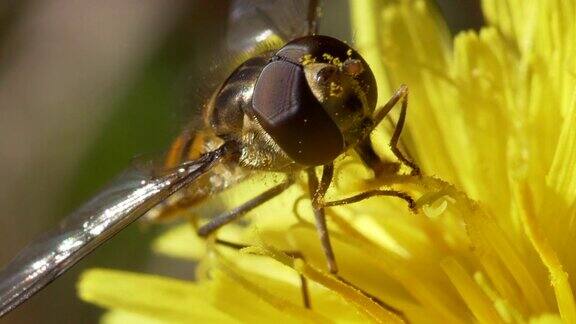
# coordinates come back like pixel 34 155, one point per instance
pixel 353 103
pixel 289 112
pixel 325 74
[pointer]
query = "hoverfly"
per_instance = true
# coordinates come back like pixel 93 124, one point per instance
pixel 292 109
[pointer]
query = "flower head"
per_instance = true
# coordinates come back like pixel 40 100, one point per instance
pixel 491 123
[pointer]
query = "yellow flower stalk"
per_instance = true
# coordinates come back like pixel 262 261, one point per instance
pixel 491 122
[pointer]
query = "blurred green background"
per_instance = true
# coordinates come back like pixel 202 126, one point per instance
pixel 85 86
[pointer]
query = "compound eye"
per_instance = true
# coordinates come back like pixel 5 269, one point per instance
pixel 353 103
pixel 325 74
pixel 353 67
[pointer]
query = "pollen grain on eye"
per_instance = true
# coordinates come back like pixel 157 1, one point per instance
pixel 307 59
pixel 332 59
pixel 336 90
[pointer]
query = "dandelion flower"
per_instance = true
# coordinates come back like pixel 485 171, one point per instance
pixel 490 122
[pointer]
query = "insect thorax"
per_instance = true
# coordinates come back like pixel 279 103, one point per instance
pixel 230 116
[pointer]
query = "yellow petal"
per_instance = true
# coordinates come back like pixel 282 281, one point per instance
pixel 180 242
pixel 121 317
pixel 477 301
pixel 156 297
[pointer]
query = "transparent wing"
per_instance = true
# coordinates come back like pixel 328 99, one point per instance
pixel 131 195
pixel 252 21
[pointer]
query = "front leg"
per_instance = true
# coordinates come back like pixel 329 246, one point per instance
pixel 365 149
pixel 318 191
pixel 373 161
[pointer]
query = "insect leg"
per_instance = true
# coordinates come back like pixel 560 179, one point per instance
pixel 376 300
pixel 318 190
pixel 374 193
pixel 295 254
pixel 384 111
pixel 373 161
pixel 239 211
pixel 400 95
pixel 396 136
